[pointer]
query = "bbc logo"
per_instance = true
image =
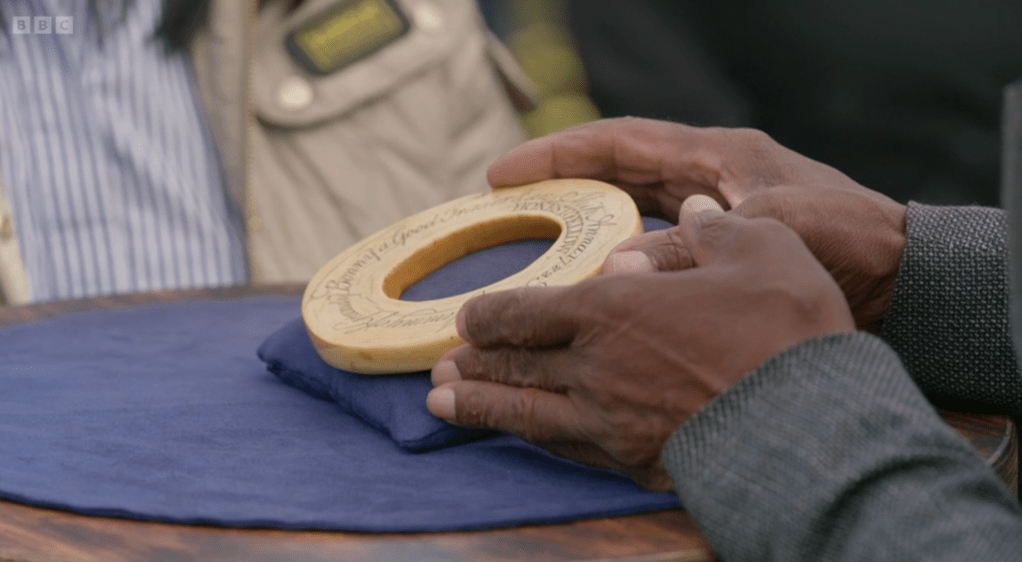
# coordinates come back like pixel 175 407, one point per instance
pixel 42 25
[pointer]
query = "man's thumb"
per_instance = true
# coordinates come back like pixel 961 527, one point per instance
pixel 704 225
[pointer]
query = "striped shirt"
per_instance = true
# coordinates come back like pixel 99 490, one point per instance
pixel 112 177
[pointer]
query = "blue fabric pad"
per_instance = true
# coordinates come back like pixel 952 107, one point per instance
pixel 393 404
pixel 165 413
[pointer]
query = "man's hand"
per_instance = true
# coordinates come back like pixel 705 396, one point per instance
pixel 604 371
pixel 856 233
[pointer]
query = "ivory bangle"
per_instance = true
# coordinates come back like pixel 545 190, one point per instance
pixel 352 307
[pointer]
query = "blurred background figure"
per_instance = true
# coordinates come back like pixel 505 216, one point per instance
pixel 536 31
pixel 162 144
pixel 904 96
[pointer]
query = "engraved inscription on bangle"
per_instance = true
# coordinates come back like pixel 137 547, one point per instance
pixel 583 214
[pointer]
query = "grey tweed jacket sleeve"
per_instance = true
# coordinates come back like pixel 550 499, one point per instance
pixel 830 450
pixel 949 318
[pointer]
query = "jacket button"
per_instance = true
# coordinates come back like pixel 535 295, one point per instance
pixel 428 16
pixel 294 93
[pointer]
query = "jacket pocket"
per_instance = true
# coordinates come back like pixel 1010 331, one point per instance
pixel 286 94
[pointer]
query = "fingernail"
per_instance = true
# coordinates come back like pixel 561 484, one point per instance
pixel 443 372
pixel 630 262
pixel 702 204
pixel 440 402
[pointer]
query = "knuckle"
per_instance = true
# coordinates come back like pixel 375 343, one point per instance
pixel 515 316
pixel 515 366
pixel 518 415
pixel 757 137
pixel 526 408
pixel 513 412
pixel 742 139
pixel 471 409
pixel 475 314
pixel 499 317
pixel 679 255
pixel 754 140
pixel 470 364
pixel 515 301
pixel 603 297
pixel 751 157
pixel 502 365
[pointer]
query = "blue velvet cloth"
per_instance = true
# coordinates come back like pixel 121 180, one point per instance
pixel 393 404
pixel 165 413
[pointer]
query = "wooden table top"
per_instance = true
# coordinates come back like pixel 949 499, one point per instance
pixel 34 534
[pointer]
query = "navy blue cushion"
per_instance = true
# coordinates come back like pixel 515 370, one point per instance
pixel 393 404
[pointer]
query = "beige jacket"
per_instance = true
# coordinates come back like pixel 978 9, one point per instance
pixel 316 163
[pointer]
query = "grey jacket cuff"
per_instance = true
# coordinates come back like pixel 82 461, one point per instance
pixel 949 319
pixel 828 451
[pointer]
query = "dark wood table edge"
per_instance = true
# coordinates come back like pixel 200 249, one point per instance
pixel 995 439
pixel 41 311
